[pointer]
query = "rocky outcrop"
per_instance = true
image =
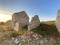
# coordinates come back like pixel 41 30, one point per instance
pixel 58 20
pixel 31 38
pixel 20 18
pixel 35 22
pixel 28 38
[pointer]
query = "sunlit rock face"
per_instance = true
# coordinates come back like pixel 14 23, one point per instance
pixel 18 26
pixel 35 22
pixel 20 18
pixel 58 20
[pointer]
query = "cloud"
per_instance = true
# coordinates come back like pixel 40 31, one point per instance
pixel 5 12
pixel 5 17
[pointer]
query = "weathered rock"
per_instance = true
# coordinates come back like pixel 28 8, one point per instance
pixel 30 38
pixel 58 20
pixel 18 26
pixel 35 22
pixel 20 19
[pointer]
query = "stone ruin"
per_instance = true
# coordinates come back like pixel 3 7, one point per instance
pixel 21 19
pixel 58 20
pixel 35 22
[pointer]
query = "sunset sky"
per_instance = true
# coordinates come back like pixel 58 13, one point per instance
pixel 45 9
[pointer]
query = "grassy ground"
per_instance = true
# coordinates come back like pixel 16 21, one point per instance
pixel 8 32
pixel 47 29
pixel 48 22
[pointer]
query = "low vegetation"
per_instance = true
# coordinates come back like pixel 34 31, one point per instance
pixel 47 29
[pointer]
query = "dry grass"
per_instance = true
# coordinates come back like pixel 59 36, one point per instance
pixel 6 28
pixel 9 32
pixel 49 22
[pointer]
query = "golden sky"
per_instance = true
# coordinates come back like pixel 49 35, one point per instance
pixel 5 15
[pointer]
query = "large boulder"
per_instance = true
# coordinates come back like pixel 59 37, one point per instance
pixel 20 16
pixel 58 20
pixel 35 22
pixel 20 19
